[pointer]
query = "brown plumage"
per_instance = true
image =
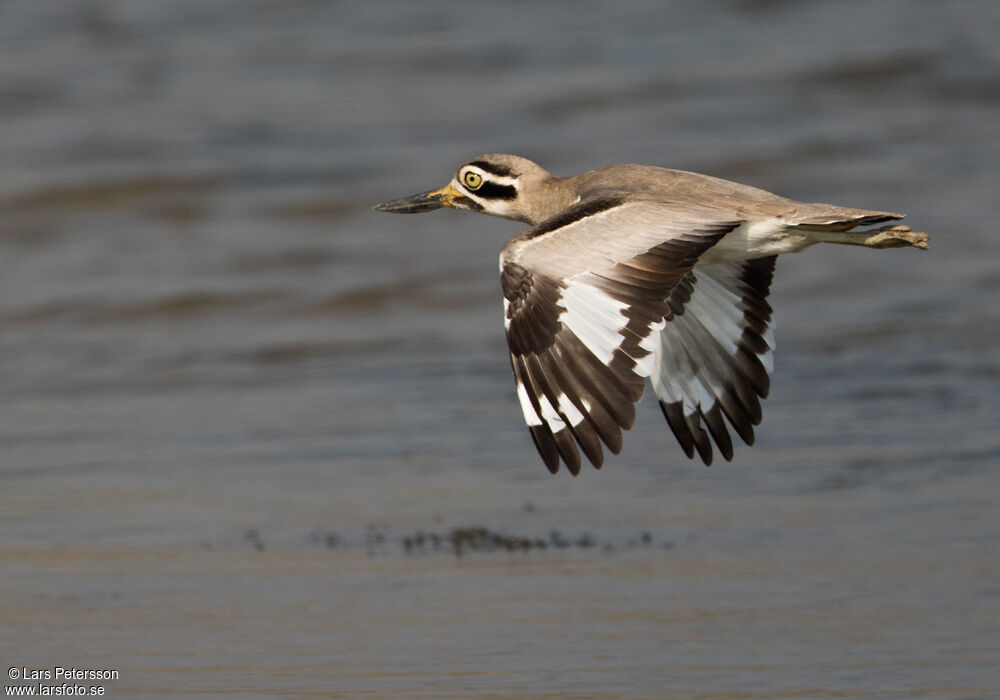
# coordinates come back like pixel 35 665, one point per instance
pixel 634 271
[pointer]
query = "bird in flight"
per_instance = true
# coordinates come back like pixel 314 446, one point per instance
pixel 633 271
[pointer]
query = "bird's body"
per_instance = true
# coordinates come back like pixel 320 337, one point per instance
pixel 634 271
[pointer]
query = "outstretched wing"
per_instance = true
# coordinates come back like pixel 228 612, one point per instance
pixel 586 295
pixel 713 356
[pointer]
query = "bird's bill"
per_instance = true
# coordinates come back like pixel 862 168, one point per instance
pixel 425 201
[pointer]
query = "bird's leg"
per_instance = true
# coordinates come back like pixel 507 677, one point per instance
pixel 885 237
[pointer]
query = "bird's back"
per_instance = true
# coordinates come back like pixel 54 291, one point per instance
pixel 694 192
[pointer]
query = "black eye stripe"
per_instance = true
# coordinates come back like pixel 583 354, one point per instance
pixel 492 168
pixel 491 190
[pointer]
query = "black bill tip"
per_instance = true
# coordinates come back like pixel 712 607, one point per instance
pixel 425 201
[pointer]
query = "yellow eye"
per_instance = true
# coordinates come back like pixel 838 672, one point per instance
pixel 472 180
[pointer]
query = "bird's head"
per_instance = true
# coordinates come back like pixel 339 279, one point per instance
pixel 497 184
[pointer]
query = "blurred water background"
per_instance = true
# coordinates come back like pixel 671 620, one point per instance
pixel 245 419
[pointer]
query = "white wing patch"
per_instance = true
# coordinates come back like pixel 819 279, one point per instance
pixel 571 412
pixel 598 321
pixel 550 415
pixel 714 357
pixel 594 318
pixel 716 308
pixel 530 416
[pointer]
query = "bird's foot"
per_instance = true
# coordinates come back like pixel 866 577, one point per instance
pixel 896 237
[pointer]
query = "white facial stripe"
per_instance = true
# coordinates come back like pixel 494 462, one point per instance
pixel 488 176
pixel 486 196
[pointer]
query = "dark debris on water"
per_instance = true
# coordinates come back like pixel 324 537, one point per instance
pixel 475 539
